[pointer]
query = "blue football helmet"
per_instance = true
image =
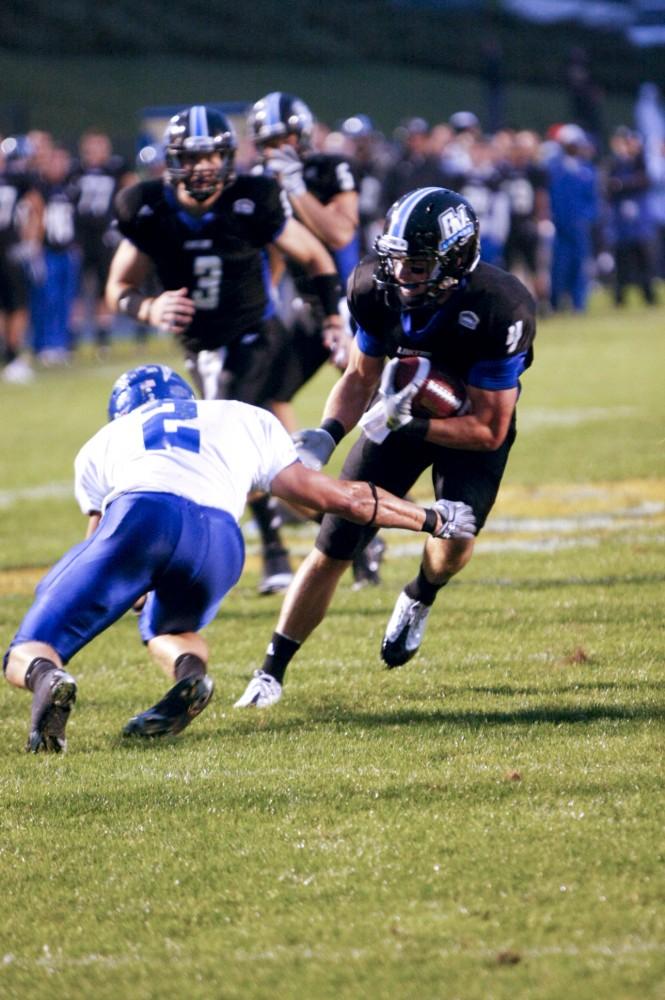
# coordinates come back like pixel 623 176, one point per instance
pixel 144 384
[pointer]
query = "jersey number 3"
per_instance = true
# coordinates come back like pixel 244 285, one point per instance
pixel 163 430
pixel 208 274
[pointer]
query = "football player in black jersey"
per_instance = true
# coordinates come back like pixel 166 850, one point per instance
pixel 99 175
pixel 423 293
pixel 322 191
pixel 21 209
pixel 205 233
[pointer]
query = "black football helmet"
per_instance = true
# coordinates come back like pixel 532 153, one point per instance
pixel 277 115
pixel 191 134
pixel 428 224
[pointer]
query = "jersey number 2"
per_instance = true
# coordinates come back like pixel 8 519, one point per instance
pixel 158 437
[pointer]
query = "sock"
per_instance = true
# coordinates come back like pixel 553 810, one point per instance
pixel 189 665
pixel 37 670
pixel 268 521
pixel 279 654
pixel 102 336
pixel 422 590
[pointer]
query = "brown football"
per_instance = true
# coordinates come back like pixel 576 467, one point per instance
pixel 439 396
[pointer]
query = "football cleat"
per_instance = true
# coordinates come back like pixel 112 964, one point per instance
pixel 277 573
pixel 366 564
pixel 50 717
pixel 404 632
pixel 175 711
pixel 262 691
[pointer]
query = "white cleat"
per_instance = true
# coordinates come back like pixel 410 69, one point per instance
pixel 261 692
pixel 18 372
pixel 404 632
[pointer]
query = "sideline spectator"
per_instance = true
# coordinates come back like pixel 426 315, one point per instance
pixel 99 175
pixel 527 248
pixel 415 167
pixel 52 299
pixel 21 210
pixel 631 227
pixel 574 199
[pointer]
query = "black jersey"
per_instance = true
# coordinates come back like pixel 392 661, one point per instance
pixel 97 187
pixel 483 333
pixel 326 176
pixel 13 187
pixel 522 185
pixel 219 256
pixel 60 199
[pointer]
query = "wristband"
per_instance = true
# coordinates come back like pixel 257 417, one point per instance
pixel 129 302
pixel 429 524
pixel 416 428
pixel 375 496
pixel 132 303
pixel 334 428
pixel 328 291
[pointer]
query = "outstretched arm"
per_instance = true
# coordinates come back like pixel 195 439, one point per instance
pixel 367 504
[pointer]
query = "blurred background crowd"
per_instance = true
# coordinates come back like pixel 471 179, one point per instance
pixel 565 209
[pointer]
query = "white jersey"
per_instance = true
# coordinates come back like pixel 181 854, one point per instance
pixel 213 452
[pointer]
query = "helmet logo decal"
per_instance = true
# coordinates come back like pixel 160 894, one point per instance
pixel 455 226
pixel 468 319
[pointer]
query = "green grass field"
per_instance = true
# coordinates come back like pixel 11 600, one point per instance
pixel 485 822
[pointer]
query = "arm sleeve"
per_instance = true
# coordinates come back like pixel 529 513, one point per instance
pixel 277 451
pixel 369 344
pixel 498 373
pixel 90 485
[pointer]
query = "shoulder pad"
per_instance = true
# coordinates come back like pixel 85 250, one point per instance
pixel 130 200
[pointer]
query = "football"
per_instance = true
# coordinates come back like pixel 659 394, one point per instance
pixel 439 396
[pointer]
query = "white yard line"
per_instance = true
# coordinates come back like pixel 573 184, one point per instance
pixel 45 491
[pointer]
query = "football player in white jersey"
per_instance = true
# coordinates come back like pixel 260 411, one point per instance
pixel 164 484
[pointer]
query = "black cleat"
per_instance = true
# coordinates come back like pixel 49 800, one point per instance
pixel 404 632
pixel 50 717
pixel 175 711
pixel 366 564
pixel 277 572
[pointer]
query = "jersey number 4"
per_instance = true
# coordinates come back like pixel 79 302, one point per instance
pixel 164 430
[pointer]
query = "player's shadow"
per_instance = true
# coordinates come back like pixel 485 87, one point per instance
pixel 509 691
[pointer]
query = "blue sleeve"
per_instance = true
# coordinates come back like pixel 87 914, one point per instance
pixel 499 373
pixel 369 344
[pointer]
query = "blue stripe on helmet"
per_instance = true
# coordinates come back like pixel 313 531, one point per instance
pixel 402 214
pixel 273 102
pixel 198 121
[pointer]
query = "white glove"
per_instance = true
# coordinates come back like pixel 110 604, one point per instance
pixel 397 403
pixel 287 165
pixel 457 519
pixel 314 447
pixel 30 255
pixel 392 407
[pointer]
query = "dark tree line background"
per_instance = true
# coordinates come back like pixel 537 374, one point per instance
pixel 463 39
